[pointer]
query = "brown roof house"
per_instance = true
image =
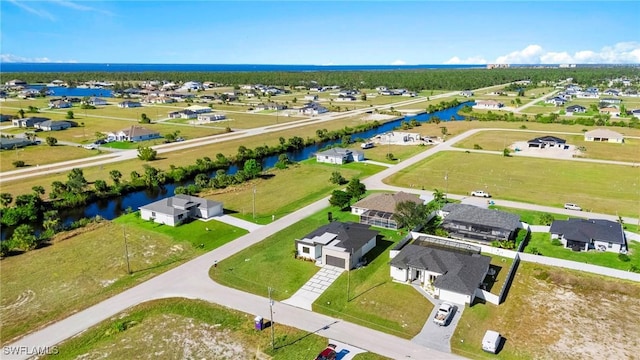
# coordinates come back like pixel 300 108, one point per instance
pixel 134 134
pixel 378 209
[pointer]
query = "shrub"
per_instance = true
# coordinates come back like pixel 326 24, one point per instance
pixel 534 251
pixel 477 147
pixel 556 242
pixel 390 156
pixel 624 257
pixel 546 219
pixel 19 163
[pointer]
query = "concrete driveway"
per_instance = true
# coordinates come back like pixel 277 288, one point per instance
pixel 438 337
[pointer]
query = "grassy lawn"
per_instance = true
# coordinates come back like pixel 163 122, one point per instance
pixel 553 182
pixel 531 217
pixel 270 263
pixel 498 140
pixel 283 193
pixel 375 301
pixel 501 266
pixel 41 155
pixel 549 314
pixel 542 242
pixel 400 152
pixel 189 329
pixel 90 266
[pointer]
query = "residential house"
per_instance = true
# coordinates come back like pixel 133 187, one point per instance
pixel 378 209
pixel 556 101
pixel 610 101
pixel 548 142
pixel 611 92
pixel 28 122
pixel 5 117
pixel 475 223
pixel 60 104
pixel 129 104
pixel 211 117
pixel 466 93
pixel 604 135
pixel 96 101
pixel 175 210
pixel 575 109
pixel 191 85
pixel 270 106
pixel 53 125
pixel 16 82
pixel 345 98
pixel 587 95
pixel 449 271
pixel 313 108
pixel 14 143
pixel 613 111
pixel 339 156
pixel 337 244
pixel 133 134
pixel 199 109
pixel 311 97
pixel 488 104
pixel 589 234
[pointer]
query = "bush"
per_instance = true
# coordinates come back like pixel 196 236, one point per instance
pixel 556 242
pixel 533 251
pixel 390 157
pixel 546 219
pixel 19 163
pixel 477 147
pixel 624 257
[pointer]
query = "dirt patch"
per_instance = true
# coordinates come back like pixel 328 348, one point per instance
pixel 583 318
pixel 189 339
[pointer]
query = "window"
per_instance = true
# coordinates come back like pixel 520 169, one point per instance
pixel 305 250
pixel 153 213
pixel 180 216
pixel 610 245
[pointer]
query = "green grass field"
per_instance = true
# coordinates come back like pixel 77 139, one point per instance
pixel 181 328
pixel 51 283
pixel 41 155
pixel 533 180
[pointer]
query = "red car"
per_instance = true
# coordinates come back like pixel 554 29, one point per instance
pixel 327 354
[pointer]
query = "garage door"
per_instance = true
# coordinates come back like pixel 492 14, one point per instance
pixel 335 261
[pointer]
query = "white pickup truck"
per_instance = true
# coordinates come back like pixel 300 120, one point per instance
pixel 444 314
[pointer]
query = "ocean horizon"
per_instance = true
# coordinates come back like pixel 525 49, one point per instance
pixel 11 67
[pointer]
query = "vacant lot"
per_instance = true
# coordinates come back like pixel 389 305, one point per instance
pixel 89 266
pixel 498 140
pixel 540 181
pixel 553 313
pixel 281 192
pixel 189 329
pixel 41 155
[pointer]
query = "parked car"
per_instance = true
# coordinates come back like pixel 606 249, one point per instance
pixel 91 146
pixel 367 145
pixel 444 314
pixel 571 206
pixel 480 193
pixel 329 353
pixel 491 341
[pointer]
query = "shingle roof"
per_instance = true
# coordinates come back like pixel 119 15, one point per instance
pixel 469 214
pixel 603 133
pixel 335 152
pixel 547 139
pixel 352 236
pixel 386 202
pixel 583 230
pixel 175 205
pixel 462 272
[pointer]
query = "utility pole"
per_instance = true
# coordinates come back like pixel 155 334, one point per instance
pixel 126 249
pixel 348 284
pixel 254 202
pixel 446 191
pixel 273 339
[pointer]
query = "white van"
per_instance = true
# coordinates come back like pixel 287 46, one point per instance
pixel 491 341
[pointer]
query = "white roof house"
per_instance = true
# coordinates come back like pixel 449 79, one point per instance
pixel 180 208
pixel 604 135
pixel 339 156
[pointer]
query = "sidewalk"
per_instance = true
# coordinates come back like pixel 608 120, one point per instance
pixel 312 290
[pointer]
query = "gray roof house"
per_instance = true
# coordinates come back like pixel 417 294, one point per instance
pixel 53 125
pixel 14 143
pixel 378 209
pixel 475 223
pixel 547 141
pixel 337 244
pixel 339 156
pixel 28 122
pixel 177 209
pixel 576 109
pixel 450 273
pixel 583 234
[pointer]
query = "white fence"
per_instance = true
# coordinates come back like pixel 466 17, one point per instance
pixel 574 265
pixel 487 296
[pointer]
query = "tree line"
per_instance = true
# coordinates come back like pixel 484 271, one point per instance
pixel 414 80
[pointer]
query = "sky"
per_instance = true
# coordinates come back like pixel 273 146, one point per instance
pixel 320 32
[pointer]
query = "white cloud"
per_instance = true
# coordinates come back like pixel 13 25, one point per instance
pixel 10 58
pixel 470 60
pixel 38 12
pixel 399 62
pixel 72 5
pixel 620 53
